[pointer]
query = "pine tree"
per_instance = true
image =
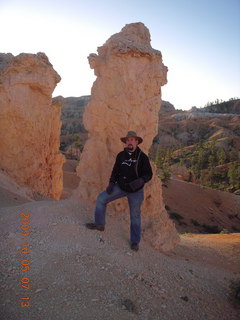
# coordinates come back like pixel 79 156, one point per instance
pixel 202 176
pixel 211 174
pixel 181 162
pixel 233 155
pixel 233 174
pixel 221 156
pixel 211 161
pixel 201 158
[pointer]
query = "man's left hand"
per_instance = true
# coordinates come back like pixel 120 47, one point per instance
pixel 136 184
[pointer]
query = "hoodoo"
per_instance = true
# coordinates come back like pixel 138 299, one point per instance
pixel 30 123
pixel 125 96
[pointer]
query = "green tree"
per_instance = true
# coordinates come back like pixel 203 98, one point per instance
pixel 165 172
pixel 211 161
pixel 238 159
pixel 163 162
pixel 168 156
pixel 202 176
pixel 233 174
pixel 212 147
pixel 233 155
pixel 159 159
pixel 201 158
pixel 211 173
pixel 181 162
pixel 221 156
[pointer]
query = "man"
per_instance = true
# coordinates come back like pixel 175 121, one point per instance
pixel 131 171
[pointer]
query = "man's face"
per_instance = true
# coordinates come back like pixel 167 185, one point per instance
pixel 132 144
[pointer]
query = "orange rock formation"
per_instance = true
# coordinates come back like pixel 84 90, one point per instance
pixel 125 96
pixel 30 123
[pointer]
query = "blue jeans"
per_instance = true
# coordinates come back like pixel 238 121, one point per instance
pixel 135 200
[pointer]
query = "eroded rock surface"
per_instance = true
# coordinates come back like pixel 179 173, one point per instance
pixel 125 96
pixel 30 123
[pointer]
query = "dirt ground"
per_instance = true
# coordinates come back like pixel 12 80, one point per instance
pixel 76 273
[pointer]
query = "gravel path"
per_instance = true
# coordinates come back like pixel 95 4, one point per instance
pixel 76 273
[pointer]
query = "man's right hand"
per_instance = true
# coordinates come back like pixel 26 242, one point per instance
pixel 110 187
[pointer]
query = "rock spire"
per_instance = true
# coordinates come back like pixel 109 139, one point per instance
pixel 125 96
pixel 30 123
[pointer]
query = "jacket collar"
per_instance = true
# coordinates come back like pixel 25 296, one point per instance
pixel 135 153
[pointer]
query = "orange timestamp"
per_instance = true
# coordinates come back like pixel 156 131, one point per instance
pixel 25 261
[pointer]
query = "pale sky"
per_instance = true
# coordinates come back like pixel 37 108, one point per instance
pixel 199 41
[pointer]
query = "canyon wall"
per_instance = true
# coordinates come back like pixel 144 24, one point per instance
pixel 125 96
pixel 30 123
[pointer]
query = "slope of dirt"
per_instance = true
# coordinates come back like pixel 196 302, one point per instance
pixel 9 198
pixel 201 210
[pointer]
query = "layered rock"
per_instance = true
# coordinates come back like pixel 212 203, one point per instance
pixel 166 107
pixel 125 96
pixel 30 123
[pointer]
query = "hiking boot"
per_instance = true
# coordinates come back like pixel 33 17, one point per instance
pixel 92 226
pixel 134 246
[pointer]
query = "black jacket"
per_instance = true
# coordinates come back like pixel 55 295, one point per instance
pixel 130 166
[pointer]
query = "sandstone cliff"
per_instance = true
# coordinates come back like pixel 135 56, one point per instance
pixel 30 123
pixel 125 96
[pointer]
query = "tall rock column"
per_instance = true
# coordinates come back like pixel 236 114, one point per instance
pixel 30 123
pixel 125 96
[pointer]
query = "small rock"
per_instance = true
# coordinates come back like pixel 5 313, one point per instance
pixel 38 290
pixel 127 304
pixel 185 298
pixel 78 258
pixel 101 239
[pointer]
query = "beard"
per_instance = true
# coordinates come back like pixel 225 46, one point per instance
pixel 130 147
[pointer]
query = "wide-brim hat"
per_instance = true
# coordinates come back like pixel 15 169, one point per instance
pixel 131 134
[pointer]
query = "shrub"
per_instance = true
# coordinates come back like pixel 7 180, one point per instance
pixel 224 231
pixel 175 216
pixel 182 223
pixel 217 203
pixel 195 223
pixel 210 229
pixel 232 216
pixel 235 229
